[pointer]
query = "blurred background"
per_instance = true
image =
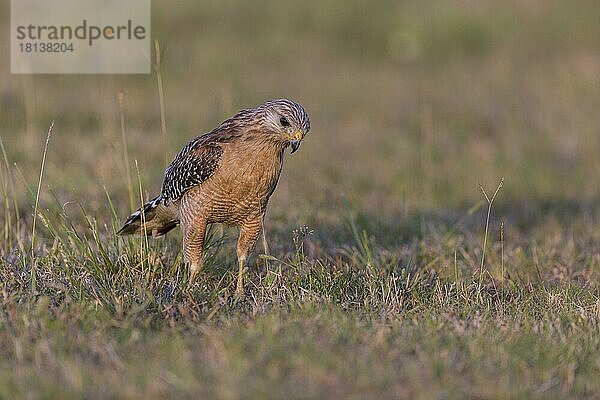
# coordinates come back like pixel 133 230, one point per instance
pixel 413 106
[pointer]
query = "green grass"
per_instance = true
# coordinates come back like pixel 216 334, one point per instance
pixel 373 286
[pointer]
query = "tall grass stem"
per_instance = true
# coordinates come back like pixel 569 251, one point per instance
pixel 490 201
pixel 161 98
pixel 35 208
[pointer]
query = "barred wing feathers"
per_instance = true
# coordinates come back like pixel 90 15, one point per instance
pixel 194 164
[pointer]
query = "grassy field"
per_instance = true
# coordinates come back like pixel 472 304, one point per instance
pixel 385 278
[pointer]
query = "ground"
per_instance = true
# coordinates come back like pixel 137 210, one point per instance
pixel 380 279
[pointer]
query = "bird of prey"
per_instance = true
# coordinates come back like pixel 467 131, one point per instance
pixel 224 176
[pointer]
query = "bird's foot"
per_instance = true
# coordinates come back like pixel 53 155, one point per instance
pixel 239 289
pixel 191 281
pixel 194 269
pixel 193 275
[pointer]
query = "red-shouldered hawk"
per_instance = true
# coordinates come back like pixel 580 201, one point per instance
pixel 224 176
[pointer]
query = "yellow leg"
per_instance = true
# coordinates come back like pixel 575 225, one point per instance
pixel 239 290
pixel 193 242
pixel 264 238
pixel 249 232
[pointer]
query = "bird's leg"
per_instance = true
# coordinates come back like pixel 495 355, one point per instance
pixel 193 242
pixel 264 238
pixel 249 232
pixel 239 289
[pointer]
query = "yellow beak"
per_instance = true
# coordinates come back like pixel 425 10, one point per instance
pixel 297 135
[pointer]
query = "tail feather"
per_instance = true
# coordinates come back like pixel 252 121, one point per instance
pixel 152 218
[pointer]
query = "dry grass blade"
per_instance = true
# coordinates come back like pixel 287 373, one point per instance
pixel 35 208
pixel 490 202
pixel 144 232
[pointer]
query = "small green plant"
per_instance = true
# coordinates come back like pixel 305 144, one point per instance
pixel 298 236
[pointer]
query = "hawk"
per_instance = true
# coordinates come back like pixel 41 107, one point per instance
pixel 224 176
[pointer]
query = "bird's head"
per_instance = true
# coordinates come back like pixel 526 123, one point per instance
pixel 287 120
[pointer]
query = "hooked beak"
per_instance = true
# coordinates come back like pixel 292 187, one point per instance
pixel 295 144
pixel 295 141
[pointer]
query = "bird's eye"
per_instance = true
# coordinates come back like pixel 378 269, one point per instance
pixel 284 121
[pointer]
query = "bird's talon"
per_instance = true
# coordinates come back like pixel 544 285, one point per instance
pixel 239 294
pixel 239 290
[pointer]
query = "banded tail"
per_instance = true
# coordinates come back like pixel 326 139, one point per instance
pixel 154 218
